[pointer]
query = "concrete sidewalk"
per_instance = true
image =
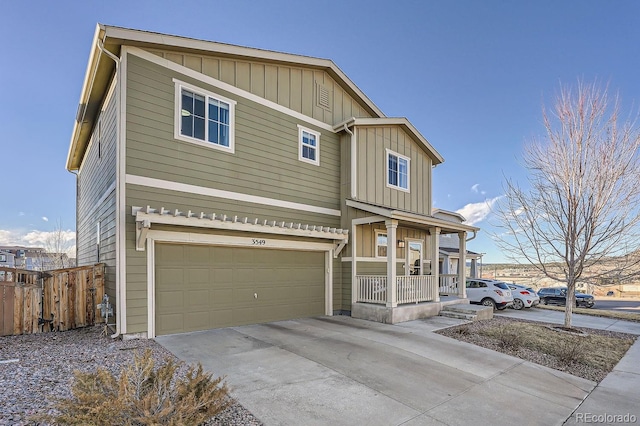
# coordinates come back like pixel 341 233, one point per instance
pixel 619 393
pixel 344 371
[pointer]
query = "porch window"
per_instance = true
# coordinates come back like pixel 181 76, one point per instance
pixel 397 171
pixel 381 244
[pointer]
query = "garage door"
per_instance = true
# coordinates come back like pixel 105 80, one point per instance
pixel 202 287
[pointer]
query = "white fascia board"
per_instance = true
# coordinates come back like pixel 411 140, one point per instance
pixel 92 65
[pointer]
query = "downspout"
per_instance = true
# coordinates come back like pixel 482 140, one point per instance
pixel 475 234
pixel 353 161
pixel 118 295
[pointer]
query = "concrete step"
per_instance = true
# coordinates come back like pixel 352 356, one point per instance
pixel 477 312
pixel 458 315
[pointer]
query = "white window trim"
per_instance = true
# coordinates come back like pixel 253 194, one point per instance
pixel 179 85
pixel 386 168
pixel 378 232
pixel 300 145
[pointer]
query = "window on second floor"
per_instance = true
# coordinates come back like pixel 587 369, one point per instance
pixel 309 146
pixel 204 118
pixel 397 171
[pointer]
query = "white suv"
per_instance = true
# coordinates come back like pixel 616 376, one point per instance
pixel 489 293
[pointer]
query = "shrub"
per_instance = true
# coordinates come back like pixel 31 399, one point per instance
pixel 508 336
pixel 569 350
pixel 143 395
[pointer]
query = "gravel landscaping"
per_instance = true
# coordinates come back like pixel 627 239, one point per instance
pixel 38 368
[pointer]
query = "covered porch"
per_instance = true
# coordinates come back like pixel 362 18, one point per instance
pixel 395 263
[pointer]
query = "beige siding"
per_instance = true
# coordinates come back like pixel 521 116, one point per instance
pixel 94 202
pixel 265 162
pixel 289 86
pixel 372 143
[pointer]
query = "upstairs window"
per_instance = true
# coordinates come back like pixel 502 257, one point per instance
pixel 309 146
pixel 204 118
pixel 397 171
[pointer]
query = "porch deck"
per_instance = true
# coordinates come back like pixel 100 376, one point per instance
pixel 402 313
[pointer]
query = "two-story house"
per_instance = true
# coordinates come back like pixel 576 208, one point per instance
pixel 225 185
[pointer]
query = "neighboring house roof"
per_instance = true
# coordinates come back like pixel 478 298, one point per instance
pixel 448 215
pixel 451 250
pixel 100 69
pixel 396 121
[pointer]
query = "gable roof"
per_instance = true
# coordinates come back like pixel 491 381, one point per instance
pixel 107 43
pixel 396 121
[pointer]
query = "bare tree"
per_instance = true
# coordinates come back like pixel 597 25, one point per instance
pixel 578 218
pixel 56 249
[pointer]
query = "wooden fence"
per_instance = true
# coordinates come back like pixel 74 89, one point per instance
pixel 59 300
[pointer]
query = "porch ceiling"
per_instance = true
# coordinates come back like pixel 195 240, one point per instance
pixel 413 219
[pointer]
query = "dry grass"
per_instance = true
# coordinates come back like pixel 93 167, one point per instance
pixel 627 316
pixel 591 355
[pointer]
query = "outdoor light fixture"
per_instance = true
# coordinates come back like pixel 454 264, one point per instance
pixel 400 243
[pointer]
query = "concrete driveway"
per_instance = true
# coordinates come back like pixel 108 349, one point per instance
pixel 340 370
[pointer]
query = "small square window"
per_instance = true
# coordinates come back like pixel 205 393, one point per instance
pixel 204 118
pixel 397 171
pixel 309 146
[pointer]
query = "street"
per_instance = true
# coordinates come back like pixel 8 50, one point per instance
pixel 618 305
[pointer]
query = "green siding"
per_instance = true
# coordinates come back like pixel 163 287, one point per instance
pixel 97 175
pixel 265 162
pixel 372 143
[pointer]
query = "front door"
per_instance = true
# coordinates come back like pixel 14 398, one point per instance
pixel 414 258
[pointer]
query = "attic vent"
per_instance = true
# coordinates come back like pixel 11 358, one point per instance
pixel 322 94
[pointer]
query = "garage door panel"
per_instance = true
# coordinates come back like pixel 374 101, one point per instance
pixel 215 286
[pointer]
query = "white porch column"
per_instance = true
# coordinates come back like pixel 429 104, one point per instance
pixel 474 268
pixel 391 225
pixel 462 265
pixel 435 258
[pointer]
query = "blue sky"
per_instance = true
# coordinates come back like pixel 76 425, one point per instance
pixel 471 76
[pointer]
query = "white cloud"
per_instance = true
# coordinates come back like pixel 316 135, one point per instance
pixel 474 188
pixel 20 213
pixel 477 212
pixel 46 219
pixel 37 238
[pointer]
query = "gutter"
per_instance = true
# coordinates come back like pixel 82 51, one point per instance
pixel 119 296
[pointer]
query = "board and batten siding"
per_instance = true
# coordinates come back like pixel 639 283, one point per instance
pixel 265 162
pixel 96 196
pixel 372 143
pixel 292 87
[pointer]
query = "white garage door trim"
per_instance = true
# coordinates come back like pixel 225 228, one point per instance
pixel 266 243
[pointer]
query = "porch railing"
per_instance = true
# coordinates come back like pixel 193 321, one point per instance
pixel 415 288
pixel 448 284
pixel 409 289
pixel 371 289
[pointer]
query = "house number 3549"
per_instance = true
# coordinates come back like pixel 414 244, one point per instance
pixel 256 242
